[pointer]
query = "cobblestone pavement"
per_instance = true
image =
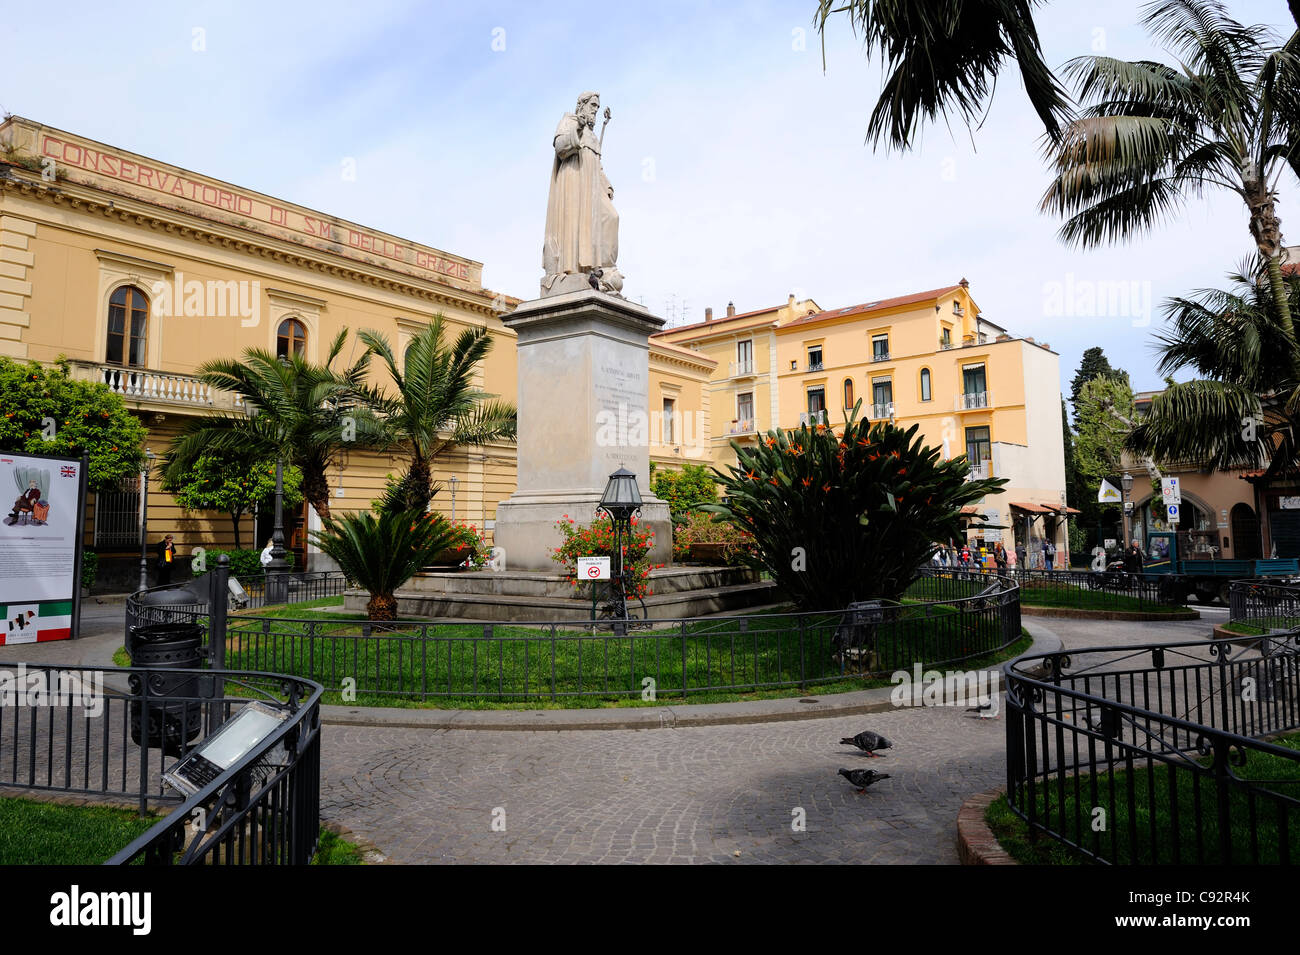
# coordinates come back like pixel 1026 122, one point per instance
pixel 692 795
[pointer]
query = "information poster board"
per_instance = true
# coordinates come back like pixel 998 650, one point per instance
pixel 42 514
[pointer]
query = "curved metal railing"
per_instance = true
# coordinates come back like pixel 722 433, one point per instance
pixel 1153 754
pixel 1263 604
pixel 945 619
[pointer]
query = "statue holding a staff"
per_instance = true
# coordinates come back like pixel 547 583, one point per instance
pixel 581 246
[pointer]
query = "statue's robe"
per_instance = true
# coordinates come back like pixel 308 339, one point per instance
pixel 581 222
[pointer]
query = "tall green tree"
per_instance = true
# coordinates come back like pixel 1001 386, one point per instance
pixel 1151 136
pixel 304 414
pixel 436 405
pixel 1240 412
pixel 1100 435
pixel 232 483
pixel 46 411
pixel 1094 364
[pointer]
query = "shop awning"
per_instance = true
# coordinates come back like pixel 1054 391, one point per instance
pixel 1031 508
pixel 1068 510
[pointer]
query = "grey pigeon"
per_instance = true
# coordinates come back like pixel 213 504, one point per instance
pixel 862 778
pixel 867 741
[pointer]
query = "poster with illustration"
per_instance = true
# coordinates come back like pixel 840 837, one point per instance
pixel 42 502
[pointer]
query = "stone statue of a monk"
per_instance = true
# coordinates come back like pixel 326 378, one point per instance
pixel 581 246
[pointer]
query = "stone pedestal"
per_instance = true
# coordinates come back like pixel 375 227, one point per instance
pixel 584 373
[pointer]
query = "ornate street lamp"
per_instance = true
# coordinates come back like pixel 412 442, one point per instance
pixel 621 501
pixel 144 519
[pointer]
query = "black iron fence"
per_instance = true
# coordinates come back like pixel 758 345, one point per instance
pixel 1261 605
pixel 1150 754
pixel 1087 589
pixel 112 732
pixel 945 619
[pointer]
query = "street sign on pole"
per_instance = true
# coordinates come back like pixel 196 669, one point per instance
pixel 1171 512
pixel 1171 491
pixel 593 568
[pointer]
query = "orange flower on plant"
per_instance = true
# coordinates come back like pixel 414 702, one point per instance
pixel 774 481
pixel 807 482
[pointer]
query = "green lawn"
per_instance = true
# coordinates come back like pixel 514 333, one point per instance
pixel 1032 596
pixel 44 833
pixel 1175 808
pixel 33 832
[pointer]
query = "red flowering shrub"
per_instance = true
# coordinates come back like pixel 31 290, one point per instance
pixel 697 527
pixel 597 540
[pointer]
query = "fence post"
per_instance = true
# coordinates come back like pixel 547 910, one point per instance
pixel 218 583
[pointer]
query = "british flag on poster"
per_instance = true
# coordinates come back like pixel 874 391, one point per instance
pixel 68 471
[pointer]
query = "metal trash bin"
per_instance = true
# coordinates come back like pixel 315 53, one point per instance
pixel 173 724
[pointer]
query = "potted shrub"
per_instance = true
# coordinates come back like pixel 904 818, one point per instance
pixel 467 548
pixel 699 538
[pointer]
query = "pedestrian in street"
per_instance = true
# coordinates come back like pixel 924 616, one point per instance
pixel 1133 558
pixel 1021 553
pixel 1049 553
pixel 965 557
pixel 166 560
pixel 1000 556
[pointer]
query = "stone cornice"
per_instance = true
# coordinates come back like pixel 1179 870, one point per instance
pixel 132 212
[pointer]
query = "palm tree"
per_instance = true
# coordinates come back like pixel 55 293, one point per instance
pixel 1237 415
pixel 298 412
pixel 945 55
pixel 437 405
pixel 1150 136
pixel 380 553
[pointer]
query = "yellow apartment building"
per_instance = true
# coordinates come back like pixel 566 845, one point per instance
pixel 744 390
pixel 138 271
pixel 929 359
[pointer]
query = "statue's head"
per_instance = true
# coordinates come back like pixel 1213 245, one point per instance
pixel 588 107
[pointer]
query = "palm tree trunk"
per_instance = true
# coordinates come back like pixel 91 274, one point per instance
pixel 1266 229
pixel 381 607
pixel 421 480
pixel 317 491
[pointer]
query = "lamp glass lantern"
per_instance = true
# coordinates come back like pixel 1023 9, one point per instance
pixel 621 500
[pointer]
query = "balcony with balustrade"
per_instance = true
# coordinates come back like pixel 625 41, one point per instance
pixel 157 389
pixel 809 418
pixel 973 401
pixel 742 426
pixel 741 369
pixel 881 410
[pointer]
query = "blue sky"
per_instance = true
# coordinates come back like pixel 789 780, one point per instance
pixel 739 165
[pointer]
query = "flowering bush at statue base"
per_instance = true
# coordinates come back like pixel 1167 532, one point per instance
pixel 597 540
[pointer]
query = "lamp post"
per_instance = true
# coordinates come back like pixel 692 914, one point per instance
pixel 1126 482
pixel 277 587
pixel 621 500
pixel 144 519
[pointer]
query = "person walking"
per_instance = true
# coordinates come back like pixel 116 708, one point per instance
pixel 1133 558
pixel 1021 554
pixel 1000 556
pixel 1049 553
pixel 166 560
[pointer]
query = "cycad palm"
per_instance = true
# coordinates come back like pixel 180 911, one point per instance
pixel 1150 135
pixel 380 553
pixel 305 415
pixel 437 405
pixel 1237 414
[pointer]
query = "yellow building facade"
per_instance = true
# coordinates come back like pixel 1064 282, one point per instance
pixel 138 271
pixel 928 359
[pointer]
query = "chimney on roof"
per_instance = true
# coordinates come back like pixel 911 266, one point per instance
pixel 790 303
pixel 1030 339
pixel 963 283
pixel 731 310
pixel 708 314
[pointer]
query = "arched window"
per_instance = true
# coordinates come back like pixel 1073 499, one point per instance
pixel 291 339
pixel 128 327
pixel 925 384
pixel 848 392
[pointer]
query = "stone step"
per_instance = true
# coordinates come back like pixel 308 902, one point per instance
pixel 534 584
pixel 523 609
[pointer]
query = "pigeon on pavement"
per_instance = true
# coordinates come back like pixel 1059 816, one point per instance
pixel 867 741
pixel 862 778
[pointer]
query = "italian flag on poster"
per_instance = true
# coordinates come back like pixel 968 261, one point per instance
pixel 36 622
